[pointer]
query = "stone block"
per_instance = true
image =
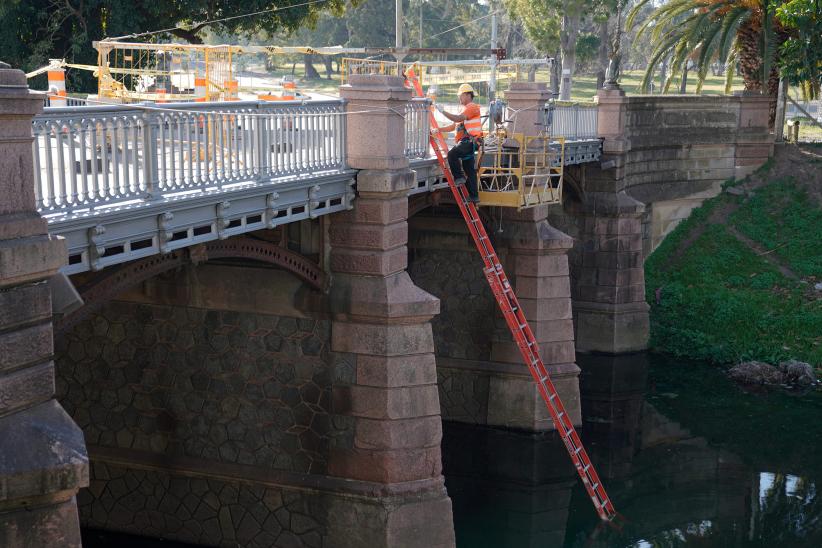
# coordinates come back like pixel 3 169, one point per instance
pixel 393 296
pixel 515 402
pixel 49 455
pixel 22 224
pixel 423 523
pixel 369 263
pixel 421 520
pixel 368 236
pixel 398 434
pixel 55 524
pixel 386 403
pixel 385 466
pixel 30 259
pixel 382 182
pixel 551 352
pixel 620 277
pixel 25 346
pixel 549 331
pixel 26 387
pixel 611 328
pixel 24 304
pixel 397 371
pixel 381 340
pixel 542 288
pixel 541 265
pixel 543 309
pixel 383 211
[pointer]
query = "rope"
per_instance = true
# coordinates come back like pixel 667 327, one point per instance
pixel 151 108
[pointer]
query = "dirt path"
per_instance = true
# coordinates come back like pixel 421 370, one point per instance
pixel 762 252
pixel 803 163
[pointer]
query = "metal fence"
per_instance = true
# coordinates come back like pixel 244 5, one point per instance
pixel 417 128
pixel 70 101
pixel 96 156
pixel 574 122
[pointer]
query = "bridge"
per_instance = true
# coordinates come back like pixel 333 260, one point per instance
pixel 126 182
pixel 282 306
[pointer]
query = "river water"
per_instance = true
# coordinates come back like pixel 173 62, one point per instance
pixel 688 458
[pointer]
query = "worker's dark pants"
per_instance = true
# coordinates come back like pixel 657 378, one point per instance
pixel 461 159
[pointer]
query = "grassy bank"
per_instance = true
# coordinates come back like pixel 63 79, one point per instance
pixel 735 281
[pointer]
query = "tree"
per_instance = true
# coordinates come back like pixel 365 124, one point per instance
pixel 32 31
pixel 553 26
pixel 801 53
pixel 743 32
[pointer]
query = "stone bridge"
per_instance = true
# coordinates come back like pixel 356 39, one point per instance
pixel 285 384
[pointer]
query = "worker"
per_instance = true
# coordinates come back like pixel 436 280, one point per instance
pixel 469 134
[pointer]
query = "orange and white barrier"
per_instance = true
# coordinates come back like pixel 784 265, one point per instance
pixel 232 90
pixel 57 86
pixel 289 90
pixel 200 90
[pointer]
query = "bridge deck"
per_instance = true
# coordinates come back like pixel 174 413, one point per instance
pixel 126 182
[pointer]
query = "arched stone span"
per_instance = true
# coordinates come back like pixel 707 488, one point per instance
pixel 99 290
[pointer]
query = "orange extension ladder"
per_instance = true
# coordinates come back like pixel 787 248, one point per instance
pixel 514 317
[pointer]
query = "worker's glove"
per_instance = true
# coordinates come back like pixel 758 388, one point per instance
pixel 439 107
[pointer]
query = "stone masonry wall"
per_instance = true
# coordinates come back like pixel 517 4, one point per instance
pixel 232 387
pixel 678 150
pixel 464 327
pixel 209 512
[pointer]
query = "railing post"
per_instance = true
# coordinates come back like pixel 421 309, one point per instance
pixel 150 165
pixel 43 459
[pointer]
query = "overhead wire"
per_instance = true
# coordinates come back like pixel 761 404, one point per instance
pixel 221 20
pixel 463 25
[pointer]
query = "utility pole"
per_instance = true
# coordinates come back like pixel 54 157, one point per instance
pixel 420 46
pixel 492 83
pixel 398 25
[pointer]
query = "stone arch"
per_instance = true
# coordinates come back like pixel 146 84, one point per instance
pixel 202 411
pixel 100 289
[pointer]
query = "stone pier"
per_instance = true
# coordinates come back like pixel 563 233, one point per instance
pixel 482 377
pixel 382 320
pixel 43 461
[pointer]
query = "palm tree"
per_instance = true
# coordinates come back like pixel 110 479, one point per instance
pixel 743 32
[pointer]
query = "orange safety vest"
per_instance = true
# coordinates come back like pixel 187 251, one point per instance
pixel 471 125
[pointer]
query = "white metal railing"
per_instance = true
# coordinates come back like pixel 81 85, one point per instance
pixel 70 101
pixel 574 122
pixel 96 156
pixel 417 128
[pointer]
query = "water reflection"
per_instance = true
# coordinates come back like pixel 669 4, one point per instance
pixel 688 458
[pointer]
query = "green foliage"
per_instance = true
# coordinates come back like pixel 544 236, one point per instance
pixel 708 31
pixel 802 52
pixel 782 217
pixel 587 49
pixel 32 31
pixel 723 303
pixel 541 20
